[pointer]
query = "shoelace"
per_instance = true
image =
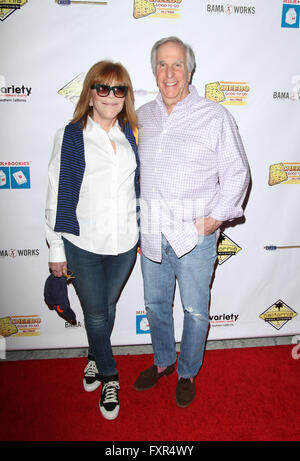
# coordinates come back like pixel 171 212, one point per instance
pixel 91 369
pixel 110 391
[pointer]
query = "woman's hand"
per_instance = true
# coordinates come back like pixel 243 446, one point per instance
pixel 58 269
pixel 206 226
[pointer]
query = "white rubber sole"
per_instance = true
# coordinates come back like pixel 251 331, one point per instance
pixel 109 414
pixel 91 387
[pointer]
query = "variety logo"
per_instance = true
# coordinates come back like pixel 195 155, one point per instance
pixel 287 173
pixel 142 324
pixel 290 14
pixel 223 320
pixel 230 9
pixel 226 248
pixel 20 325
pixel 7 7
pixel 228 93
pixel 14 175
pixel 155 9
pixel 278 314
pixel 14 93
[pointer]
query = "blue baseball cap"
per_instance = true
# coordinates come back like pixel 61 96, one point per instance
pixel 56 296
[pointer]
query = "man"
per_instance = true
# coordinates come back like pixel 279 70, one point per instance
pixel 194 176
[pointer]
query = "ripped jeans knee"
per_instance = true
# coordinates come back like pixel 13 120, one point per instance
pixel 193 312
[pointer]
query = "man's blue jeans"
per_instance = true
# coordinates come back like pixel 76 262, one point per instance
pixel 193 272
pixel 98 282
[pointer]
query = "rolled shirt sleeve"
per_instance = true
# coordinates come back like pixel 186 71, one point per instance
pixel 233 171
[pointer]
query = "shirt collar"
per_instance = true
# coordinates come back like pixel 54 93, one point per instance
pixel 186 102
pixel 91 125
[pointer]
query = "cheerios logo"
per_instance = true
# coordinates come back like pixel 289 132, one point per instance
pixel 228 93
pixel 284 172
pixel 155 9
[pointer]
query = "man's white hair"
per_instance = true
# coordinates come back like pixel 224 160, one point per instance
pixel 190 57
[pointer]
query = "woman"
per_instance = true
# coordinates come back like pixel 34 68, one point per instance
pixel 91 219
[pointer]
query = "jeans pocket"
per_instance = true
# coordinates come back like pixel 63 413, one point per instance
pixel 207 241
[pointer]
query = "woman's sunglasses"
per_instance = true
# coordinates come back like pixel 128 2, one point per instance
pixel 119 91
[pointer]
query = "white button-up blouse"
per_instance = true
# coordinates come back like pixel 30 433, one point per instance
pixel 106 210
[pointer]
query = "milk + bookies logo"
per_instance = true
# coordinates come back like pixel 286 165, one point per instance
pixel 290 14
pixel 14 175
pixel 142 324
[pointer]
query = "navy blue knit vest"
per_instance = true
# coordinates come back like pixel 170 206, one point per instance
pixel 72 166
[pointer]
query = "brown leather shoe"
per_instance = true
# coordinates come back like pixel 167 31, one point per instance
pixel 148 378
pixel 185 392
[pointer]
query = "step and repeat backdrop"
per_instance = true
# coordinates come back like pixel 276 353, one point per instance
pixel 247 55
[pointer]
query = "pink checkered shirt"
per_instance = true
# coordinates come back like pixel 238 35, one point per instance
pixel 193 164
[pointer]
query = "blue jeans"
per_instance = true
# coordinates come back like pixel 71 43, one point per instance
pixel 98 282
pixel 193 272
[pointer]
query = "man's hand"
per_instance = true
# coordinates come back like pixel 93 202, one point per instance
pixel 206 226
pixel 58 269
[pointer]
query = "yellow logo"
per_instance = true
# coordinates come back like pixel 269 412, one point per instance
pixel 226 249
pixel 228 93
pixel 6 327
pixel 165 9
pixel 8 7
pixel 287 173
pixel 20 325
pixel 278 314
pixel 72 90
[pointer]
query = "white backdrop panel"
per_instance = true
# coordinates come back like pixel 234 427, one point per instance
pixel 45 46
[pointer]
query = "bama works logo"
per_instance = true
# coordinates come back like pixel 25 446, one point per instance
pixel 14 253
pixel 230 9
pixel 7 7
pixel 15 175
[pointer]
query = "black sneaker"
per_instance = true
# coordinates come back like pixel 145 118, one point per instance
pixel 91 380
pixel 109 402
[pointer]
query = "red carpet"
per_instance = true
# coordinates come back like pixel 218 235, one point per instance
pixel 247 394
